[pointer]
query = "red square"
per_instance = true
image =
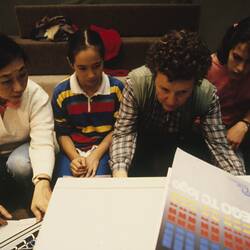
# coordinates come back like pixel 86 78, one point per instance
pixel 228 236
pixel 247 243
pixel 182 215
pixel 191 219
pixel 191 227
pixel 172 210
pixel 238 240
pixel 181 223
pixel 204 225
pixel 171 218
pixel 215 238
pixel 238 247
pixel 215 230
pixel 204 233
pixel 228 244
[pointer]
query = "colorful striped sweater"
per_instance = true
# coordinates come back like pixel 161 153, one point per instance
pixel 87 120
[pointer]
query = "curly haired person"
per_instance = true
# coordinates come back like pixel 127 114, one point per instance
pixel 160 103
pixel 230 73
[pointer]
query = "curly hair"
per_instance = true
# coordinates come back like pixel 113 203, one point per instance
pixel 180 55
pixel 237 33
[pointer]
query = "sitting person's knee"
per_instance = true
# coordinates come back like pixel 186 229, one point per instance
pixel 20 168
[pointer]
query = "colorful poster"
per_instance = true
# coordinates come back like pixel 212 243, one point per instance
pixel 206 208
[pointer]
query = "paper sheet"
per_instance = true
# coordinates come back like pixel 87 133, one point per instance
pixel 15 226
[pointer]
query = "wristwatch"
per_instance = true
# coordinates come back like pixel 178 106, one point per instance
pixel 246 122
pixel 40 178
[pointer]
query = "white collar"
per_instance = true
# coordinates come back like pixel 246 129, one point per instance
pixel 104 88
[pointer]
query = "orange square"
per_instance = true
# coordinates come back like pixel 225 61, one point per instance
pixel 215 238
pixel 181 222
pixel 171 218
pixel 228 244
pixel 191 227
pixel 204 233
pixel 204 225
pixel 215 230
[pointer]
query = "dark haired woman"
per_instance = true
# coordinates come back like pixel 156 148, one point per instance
pixel 230 73
pixel 85 109
pixel 26 127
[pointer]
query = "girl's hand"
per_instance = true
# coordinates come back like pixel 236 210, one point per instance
pixel 92 162
pixel 78 166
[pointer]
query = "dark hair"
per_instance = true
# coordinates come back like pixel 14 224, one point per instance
pixel 237 33
pixel 82 40
pixel 9 51
pixel 180 55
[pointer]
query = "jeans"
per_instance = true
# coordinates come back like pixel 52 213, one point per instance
pixel 15 177
pixel 19 166
pixel 63 166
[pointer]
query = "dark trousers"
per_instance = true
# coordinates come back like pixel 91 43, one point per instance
pixel 155 154
pixel 245 150
pixel 12 194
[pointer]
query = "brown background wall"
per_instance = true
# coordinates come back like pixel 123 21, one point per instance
pixel 216 15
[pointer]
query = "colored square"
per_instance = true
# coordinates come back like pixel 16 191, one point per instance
pixel 215 230
pixel 168 235
pixel 228 244
pixel 239 248
pixel 203 244
pixel 182 215
pixel 191 227
pixel 204 233
pixel 204 225
pixel 191 219
pixel 238 240
pixel 247 243
pixel 228 236
pixel 190 236
pixel 215 246
pixel 215 238
pixel 171 218
pixel 181 223
pixel 172 210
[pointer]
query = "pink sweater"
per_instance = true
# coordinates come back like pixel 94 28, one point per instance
pixel 234 96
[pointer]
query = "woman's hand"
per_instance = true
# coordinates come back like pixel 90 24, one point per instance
pixel 236 134
pixel 78 166
pixel 41 197
pixel 4 214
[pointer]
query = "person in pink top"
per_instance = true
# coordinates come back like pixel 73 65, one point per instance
pixel 230 73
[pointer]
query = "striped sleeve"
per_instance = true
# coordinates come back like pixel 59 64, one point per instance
pixel 62 126
pixel 125 134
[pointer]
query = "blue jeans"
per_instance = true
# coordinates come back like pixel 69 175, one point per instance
pixel 15 177
pixel 63 166
pixel 19 166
